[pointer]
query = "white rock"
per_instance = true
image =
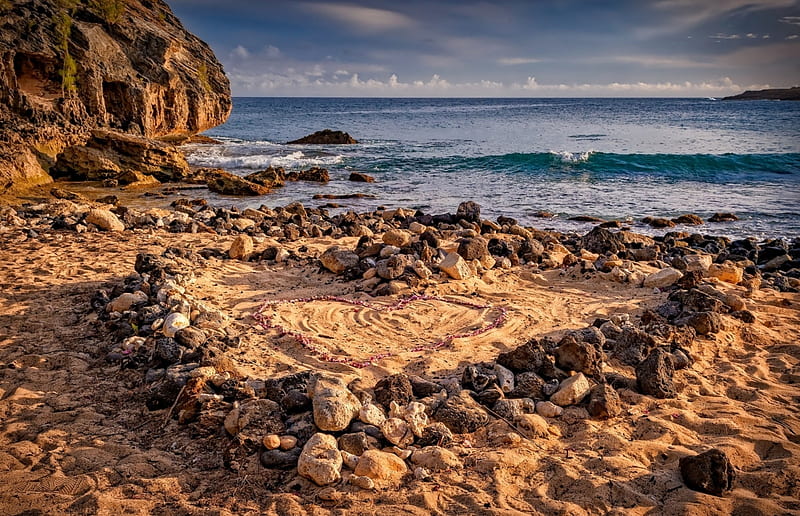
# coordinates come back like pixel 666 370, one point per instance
pixel 548 409
pixel 241 248
pixel 126 301
pixel 397 432
pixel 454 266
pixel 349 460
pixel 381 466
pixel 320 461
pixel 174 322
pixel 333 404
pixel 104 219
pixel 663 278
pixel 697 262
pixel 422 270
pixel 413 414
pixel 505 378
pixel 371 414
pixel 571 391
pixel 435 458
pixel 362 482
pixel 421 473
pixel 282 255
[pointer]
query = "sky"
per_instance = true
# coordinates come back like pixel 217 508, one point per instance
pixel 511 48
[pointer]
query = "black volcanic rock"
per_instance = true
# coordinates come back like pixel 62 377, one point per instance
pixel 325 137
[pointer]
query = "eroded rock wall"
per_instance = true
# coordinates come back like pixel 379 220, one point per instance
pixel 70 66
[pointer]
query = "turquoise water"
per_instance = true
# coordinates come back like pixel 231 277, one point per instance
pixel 609 158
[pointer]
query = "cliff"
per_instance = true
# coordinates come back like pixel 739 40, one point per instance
pixel 69 67
pixel 772 94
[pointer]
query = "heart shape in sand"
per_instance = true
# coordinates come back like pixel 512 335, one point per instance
pixel 265 317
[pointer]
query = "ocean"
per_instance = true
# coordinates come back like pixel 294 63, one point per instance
pixel 618 159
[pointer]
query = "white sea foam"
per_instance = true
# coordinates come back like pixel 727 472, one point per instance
pixel 573 157
pixel 250 157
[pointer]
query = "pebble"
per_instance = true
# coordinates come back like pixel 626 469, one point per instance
pixel 287 442
pixel 548 409
pixel 271 441
pixel 362 482
pixel 174 322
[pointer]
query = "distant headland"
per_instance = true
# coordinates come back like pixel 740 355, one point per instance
pixel 770 94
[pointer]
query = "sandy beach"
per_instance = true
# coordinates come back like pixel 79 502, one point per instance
pixel 78 437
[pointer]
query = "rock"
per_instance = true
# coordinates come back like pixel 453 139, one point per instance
pixel 397 237
pixel 191 337
pixel 529 357
pixel 511 408
pixel 710 472
pixel 360 178
pixel 504 378
pixel 241 248
pixel 174 322
pixel 578 355
pixel 337 259
pixel 604 401
pixel 654 375
pixel 469 211
pixel 602 241
pixel 689 218
pixel 658 222
pixel 371 415
pixel 314 174
pixel 461 414
pixel 271 177
pixel 698 262
pixel 527 385
pixel 435 434
pixel 533 425
pixel 271 441
pixel 435 458
pixel 397 432
pixel 362 482
pixel 350 461
pixel 226 183
pixel 334 406
pixel 396 387
pixel 663 278
pixel 473 248
pixel 288 442
pixel 548 409
pixel 478 377
pixel 133 179
pixel 253 420
pixel 414 414
pixel 356 443
pixel 454 266
pixel 280 459
pixel 391 268
pixel 704 323
pixel 104 219
pixel 325 137
pixel 126 300
pixel 386 468
pixel 422 388
pixel 320 460
pixel 571 391
pixel 727 272
pixel 723 217
pixel 421 270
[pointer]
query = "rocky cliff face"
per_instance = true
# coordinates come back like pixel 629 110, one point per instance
pixel 68 67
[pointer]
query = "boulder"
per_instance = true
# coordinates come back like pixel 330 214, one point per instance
pixel 527 385
pixel 511 408
pixel 723 217
pixel 727 272
pixel 104 219
pixel 133 179
pixel 604 401
pixel 226 183
pixel 529 357
pixel 461 414
pixel 454 266
pixel 386 468
pixel 689 219
pixel 271 177
pixel 573 354
pixel 663 278
pixel 371 414
pixel 241 248
pixel 697 262
pixel 397 432
pixel 338 259
pixel 325 137
pixel 436 458
pixel 357 443
pixel 394 388
pixel 435 434
pixel 548 409
pixel 704 323
pixel 391 268
pixel 397 237
pixel 469 211
pixel 654 375
pixel 358 177
pixel 313 174
pixel 710 472
pixel 658 222
pixel 602 241
pixel 571 391
pixel 320 461
pixel 473 248
pixel 334 406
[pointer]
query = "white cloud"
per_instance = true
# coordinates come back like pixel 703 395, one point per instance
pixel 513 61
pixel 272 52
pixel 750 35
pixel 240 52
pixel 793 36
pixel 793 20
pixel 721 35
pixel 368 19
pixel 658 62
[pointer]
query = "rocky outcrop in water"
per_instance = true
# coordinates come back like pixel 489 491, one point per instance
pixel 68 68
pixel 771 94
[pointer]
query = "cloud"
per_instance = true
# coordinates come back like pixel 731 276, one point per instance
pixel 793 36
pixel 720 35
pixel 240 52
pixel 272 52
pixel 793 20
pixel 658 62
pixel 367 19
pixel 513 61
